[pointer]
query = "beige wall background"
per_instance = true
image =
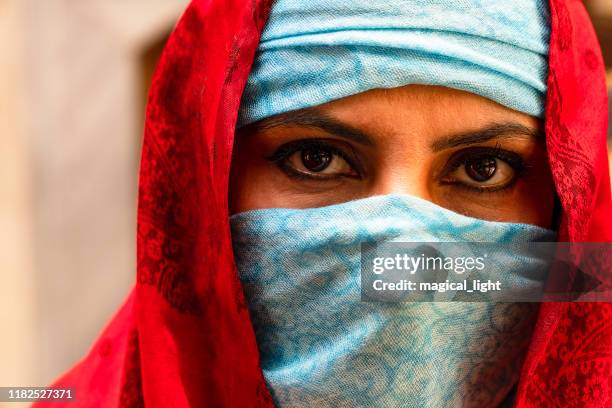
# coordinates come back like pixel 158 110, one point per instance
pixel 73 76
pixel 72 86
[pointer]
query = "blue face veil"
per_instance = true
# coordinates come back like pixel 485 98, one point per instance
pixel 320 344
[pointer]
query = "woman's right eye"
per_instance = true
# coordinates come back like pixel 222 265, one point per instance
pixel 320 161
pixel 316 160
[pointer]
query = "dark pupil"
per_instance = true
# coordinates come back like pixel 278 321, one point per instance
pixel 316 159
pixel 482 168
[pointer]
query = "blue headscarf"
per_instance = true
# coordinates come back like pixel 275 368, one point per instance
pixel 315 51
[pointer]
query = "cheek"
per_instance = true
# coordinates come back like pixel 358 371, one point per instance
pixel 534 199
pixel 537 199
pixel 530 201
pixel 258 184
pixel 248 186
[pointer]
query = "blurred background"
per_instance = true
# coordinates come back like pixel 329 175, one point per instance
pixel 73 85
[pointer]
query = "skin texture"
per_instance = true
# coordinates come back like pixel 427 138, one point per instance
pixel 458 150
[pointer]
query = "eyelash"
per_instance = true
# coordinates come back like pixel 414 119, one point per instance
pixel 458 159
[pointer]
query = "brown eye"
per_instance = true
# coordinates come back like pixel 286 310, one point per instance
pixel 481 169
pixel 316 159
pixel 319 162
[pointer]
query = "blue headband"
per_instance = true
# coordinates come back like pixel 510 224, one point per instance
pixel 315 51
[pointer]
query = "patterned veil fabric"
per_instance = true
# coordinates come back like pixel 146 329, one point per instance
pixel 322 346
pixel 184 337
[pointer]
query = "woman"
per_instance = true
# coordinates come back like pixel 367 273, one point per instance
pixel 456 137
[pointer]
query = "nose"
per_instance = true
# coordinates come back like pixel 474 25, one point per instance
pixel 409 180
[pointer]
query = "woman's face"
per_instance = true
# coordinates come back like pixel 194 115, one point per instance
pixel 455 149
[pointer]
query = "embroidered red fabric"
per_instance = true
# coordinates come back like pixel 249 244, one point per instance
pixel 184 339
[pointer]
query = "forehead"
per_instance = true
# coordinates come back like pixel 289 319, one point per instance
pixel 422 110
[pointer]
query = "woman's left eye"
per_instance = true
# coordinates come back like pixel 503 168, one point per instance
pixel 486 171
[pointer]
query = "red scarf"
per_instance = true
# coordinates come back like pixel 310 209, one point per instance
pixel 184 339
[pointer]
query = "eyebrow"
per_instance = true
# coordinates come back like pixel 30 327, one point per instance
pixel 320 120
pixel 494 131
